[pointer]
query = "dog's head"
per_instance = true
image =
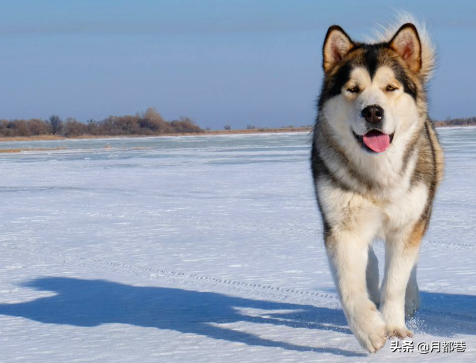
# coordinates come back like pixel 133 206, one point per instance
pixel 373 93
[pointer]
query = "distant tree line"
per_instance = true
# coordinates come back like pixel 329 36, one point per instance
pixel 253 127
pixel 468 121
pixel 146 123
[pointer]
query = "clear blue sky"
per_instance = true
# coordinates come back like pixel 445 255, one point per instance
pixel 234 62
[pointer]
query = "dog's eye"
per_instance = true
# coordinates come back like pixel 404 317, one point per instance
pixel 391 88
pixel 354 89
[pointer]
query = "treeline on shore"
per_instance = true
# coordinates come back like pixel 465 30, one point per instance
pixel 468 121
pixel 149 122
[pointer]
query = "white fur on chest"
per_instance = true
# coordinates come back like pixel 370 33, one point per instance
pixel 405 211
pixel 354 212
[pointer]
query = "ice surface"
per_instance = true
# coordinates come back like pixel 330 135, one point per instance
pixel 202 249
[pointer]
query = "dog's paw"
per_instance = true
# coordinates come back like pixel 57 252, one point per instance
pixel 398 332
pixel 369 327
pixel 375 340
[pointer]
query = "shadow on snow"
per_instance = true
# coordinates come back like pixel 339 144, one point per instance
pixel 88 303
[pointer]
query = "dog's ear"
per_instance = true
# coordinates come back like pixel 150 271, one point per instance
pixel 406 43
pixel 336 45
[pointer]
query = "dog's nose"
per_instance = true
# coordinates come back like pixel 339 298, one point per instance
pixel 373 114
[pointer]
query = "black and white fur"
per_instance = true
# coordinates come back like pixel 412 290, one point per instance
pixel 364 195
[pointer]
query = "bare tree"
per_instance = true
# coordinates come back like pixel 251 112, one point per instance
pixel 56 125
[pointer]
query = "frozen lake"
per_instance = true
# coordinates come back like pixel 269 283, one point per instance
pixel 203 249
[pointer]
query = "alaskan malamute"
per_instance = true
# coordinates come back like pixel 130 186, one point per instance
pixel 376 164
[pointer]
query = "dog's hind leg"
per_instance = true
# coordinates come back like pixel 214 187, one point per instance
pixel 373 277
pixel 412 294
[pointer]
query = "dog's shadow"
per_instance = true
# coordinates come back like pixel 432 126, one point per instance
pixel 88 303
pixel 446 315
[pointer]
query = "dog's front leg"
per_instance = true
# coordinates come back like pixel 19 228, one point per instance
pixel 401 255
pixel 348 255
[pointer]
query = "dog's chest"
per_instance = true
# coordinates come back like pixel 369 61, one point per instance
pixel 405 208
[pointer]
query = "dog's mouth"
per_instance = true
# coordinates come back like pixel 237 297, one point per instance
pixel 374 141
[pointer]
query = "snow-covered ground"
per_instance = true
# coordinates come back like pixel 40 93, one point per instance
pixel 203 249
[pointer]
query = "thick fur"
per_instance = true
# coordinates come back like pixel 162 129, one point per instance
pixel 364 195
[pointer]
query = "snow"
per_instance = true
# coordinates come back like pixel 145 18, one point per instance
pixel 203 249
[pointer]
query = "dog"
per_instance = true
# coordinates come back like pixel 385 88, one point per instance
pixel 376 163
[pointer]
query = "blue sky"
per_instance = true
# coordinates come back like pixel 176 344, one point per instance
pixel 219 62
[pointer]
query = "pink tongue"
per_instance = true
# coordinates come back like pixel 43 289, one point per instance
pixel 376 141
